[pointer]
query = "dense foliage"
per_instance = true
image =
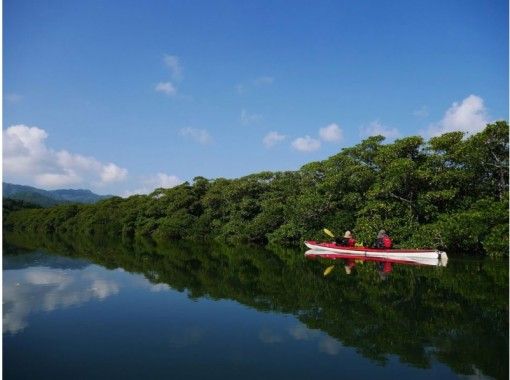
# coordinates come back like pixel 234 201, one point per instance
pixel 10 205
pixel 449 192
pixel 456 315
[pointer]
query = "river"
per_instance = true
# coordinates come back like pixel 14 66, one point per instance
pixel 103 310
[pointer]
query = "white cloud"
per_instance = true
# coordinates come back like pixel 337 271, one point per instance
pixel 469 116
pixel 331 133
pixel 13 98
pixel 53 180
pixel 21 137
pixel 306 144
pixel 27 158
pixel 173 63
pixel 69 160
pixel 112 173
pixel 272 138
pixel 167 88
pixel 250 118
pixel 166 181
pixel 376 128
pixel 199 135
pixel 160 180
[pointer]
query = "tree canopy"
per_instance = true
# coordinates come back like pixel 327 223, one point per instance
pixel 450 192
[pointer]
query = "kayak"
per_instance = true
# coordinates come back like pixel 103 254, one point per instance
pixel 314 254
pixel 332 248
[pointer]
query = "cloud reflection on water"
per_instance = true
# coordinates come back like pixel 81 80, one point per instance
pixel 36 289
pixel 326 344
pixel 300 332
pixel 266 335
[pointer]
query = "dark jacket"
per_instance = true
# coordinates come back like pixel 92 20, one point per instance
pixel 383 242
pixel 346 242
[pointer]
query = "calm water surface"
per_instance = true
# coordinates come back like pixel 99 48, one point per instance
pixel 82 310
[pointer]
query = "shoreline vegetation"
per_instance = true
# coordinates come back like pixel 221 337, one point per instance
pixel 450 192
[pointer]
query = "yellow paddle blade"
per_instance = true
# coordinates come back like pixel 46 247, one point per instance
pixel 328 232
pixel 328 270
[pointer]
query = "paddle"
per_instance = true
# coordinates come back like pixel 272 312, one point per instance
pixel 328 270
pixel 329 233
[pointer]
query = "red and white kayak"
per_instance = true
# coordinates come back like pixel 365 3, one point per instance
pixel 313 254
pixel 328 249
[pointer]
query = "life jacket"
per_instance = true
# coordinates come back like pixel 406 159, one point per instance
pixel 346 242
pixel 387 243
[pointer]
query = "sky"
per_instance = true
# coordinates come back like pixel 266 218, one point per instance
pixel 122 97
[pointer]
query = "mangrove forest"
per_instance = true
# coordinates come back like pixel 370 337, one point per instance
pixel 449 192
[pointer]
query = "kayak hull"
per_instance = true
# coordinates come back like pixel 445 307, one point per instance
pixel 332 248
pixel 313 254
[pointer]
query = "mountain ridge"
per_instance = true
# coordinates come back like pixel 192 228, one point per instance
pixel 48 198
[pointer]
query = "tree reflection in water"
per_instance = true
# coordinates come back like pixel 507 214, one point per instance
pixel 457 314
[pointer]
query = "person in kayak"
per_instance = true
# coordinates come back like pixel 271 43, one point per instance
pixel 347 241
pixel 383 240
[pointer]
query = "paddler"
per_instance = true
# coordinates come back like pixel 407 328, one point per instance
pixel 383 240
pixel 347 241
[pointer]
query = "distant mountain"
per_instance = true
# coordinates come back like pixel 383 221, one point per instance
pixel 48 198
pixel 79 196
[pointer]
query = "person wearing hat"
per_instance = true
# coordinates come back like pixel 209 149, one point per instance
pixel 347 241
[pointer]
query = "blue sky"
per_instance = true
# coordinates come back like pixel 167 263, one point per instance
pixel 124 96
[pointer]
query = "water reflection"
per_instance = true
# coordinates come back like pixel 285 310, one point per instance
pixel 34 289
pixel 39 282
pixel 457 315
pixel 300 333
pixel 325 343
pixel 187 337
pixel 268 336
pixel 384 266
